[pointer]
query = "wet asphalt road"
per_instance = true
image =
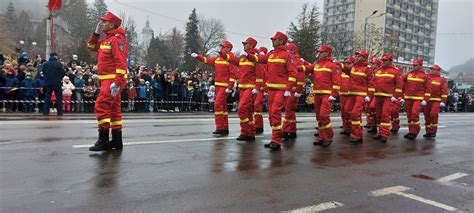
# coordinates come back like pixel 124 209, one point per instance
pixel 173 164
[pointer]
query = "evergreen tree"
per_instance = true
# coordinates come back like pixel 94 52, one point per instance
pixel 10 15
pixel 75 14
pixel 157 53
pixel 191 43
pixel 99 9
pixel 306 32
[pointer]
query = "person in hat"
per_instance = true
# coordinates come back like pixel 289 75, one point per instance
pixel 260 71
pixel 325 89
pixel 416 92
pixel 224 83
pixel 280 79
pixel 388 87
pixel 112 73
pixel 439 94
pixel 53 72
pixel 396 108
pixel 345 81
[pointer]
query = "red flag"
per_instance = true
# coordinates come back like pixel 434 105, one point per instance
pixel 54 5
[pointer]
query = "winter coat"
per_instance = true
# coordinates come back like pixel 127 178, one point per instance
pixel 68 88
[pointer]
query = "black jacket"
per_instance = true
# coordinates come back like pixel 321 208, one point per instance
pixel 53 72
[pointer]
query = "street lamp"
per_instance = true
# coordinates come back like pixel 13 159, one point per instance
pixel 365 25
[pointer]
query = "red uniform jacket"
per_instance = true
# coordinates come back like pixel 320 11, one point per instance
pixel 246 74
pixel 388 82
pixel 224 73
pixel 438 88
pixel 112 52
pixel 326 80
pixel 361 80
pixel 344 81
pixel 416 85
pixel 300 75
pixel 260 71
pixel 281 70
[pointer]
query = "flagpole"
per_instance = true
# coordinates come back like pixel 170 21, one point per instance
pixel 48 35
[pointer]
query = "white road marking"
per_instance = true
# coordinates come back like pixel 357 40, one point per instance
pixel 399 190
pixel 317 208
pixel 452 177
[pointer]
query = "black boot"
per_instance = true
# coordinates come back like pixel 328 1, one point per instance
pixel 394 130
pixel 245 138
pixel 267 145
pixel 285 135
pixel 373 130
pixel 377 137
pixel 292 135
pixel 326 143
pixel 102 143
pixel 318 143
pixel 258 131
pixel 356 141
pixel 116 141
pixel 274 146
pixel 383 140
pixel 345 132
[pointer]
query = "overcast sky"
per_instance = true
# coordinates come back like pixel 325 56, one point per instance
pixel 262 18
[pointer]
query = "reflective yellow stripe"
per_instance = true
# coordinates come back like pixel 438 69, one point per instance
pixel 304 68
pixel 103 46
pixel 396 119
pixel 244 120
pixel 257 113
pixel 276 85
pixel 108 76
pixel 221 62
pixel 384 75
pixel 371 89
pixel 219 113
pixel 247 63
pixel 414 123
pixel 416 79
pixel 355 122
pixel 427 94
pixel 322 69
pixel 300 83
pixel 256 58
pixel 434 125
pixel 292 79
pixel 259 80
pixel 120 71
pixel 205 59
pixel 276 60
pixel 246 85
pixel 232 79
pixel 413 97
pixel 289 121
pixel 343 75
pixel 227 57
pixel 222 84
pixel 436 83
pixel 359 73
pixel 327 126
pixel 398 90
pixel 276 127
pixel 317 91
pixel 343 93
pixel 435 99
pixel 116 123
pixel 385 124
pixel 358 93
pixel 444 96
pixel 383 94
pixel 90 45
pixel 105 120
pixel 336 87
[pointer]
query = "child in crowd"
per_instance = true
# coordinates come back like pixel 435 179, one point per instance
pixel 68 87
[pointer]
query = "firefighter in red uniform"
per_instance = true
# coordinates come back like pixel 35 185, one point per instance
pixel 246 83
pixel 361 80
pixel 112 71
pixel 289 122
pixel 345 81
pixel 325 90
pixel 388 87
pixel 396 109
pixel 280 79
pixel 224 82
pixel 416 94
pixel 260 97
pixel 370 107
pixel 439 94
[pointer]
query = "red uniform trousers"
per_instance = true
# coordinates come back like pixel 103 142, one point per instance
pixel 289 123
pixel 370 113
pixel 355 104
pixel 396 115
pixel 431 112
pixel 412 107
pixel 245 112
pixel 345 113
pixel 383 111
pixel 108 108
pixel 220 109
pixel 322 108
pixel 258 108
pixel 276 102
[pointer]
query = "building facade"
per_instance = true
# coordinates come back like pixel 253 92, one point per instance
pixel 412 22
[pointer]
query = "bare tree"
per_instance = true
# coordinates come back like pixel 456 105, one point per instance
pixel 211 33
pixel 175 43
pixel 130 27
pixel 378 41
pixel 7 44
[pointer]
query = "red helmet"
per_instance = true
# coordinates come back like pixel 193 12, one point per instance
pixel 376 61
pixel 292 47
pixel 227 44
pixel 350 60
pixel 251 41
pixel 263 49
pixel 325 48
pixel 436 67
pixel 363 53
pixel 387 56
pixel 109 16
pixel 281 36
pixel 417 61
